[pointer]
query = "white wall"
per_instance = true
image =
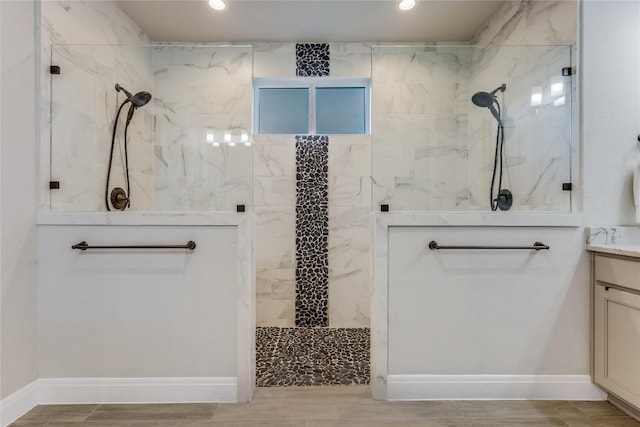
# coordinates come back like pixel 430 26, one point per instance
pixel 18 195
pixel 610 109
pixel 488 312
pixel 144 313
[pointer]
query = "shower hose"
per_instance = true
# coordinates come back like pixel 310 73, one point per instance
pixel 498 159
pixel 126 156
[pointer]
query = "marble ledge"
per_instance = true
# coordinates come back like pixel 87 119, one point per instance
pixel 479 219
pixel 142 218
pixel 623 250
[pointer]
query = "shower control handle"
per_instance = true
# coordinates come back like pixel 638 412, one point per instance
pixel 119 199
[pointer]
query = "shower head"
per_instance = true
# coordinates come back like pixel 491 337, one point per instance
pixel 138 100
pixel 483 99
pixel 487 99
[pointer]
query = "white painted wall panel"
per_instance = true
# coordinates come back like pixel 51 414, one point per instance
pixel 487 311
pixel 137 313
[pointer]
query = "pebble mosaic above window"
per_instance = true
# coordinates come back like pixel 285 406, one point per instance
pixel 312 59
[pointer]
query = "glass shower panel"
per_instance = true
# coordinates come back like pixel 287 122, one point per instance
pixel 203 143
pixel 84 104
pixel 419 127
pixel 189 149
pixel 434 150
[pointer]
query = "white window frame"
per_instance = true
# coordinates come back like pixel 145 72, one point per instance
pixel 311 83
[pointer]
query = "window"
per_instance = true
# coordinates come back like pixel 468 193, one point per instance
pixel 311 106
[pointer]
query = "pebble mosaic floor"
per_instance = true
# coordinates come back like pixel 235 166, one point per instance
pixel 311 356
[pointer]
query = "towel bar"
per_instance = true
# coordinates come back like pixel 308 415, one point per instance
pixel 83 246
pixel 536 246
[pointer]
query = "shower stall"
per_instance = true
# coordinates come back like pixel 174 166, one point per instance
pixel 191 152
pixel 435 150
pixel 432 148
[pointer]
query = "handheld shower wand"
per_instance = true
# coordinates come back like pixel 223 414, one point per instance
pixel 121 199
pixel 504 198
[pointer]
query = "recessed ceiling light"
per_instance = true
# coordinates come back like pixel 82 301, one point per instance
pixel 218 4
pixel 406 4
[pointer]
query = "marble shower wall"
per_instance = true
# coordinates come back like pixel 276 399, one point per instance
pixel 349 203
pixel 202 150
pixel 419 126
pixel 526 45
pixel 79 105
pixel 434 150
pixel 537 139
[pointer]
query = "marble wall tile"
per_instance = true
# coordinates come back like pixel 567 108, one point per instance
pixel 272 312
pixel 349 313
pixel 552 22
pixel 350 191
pixel 276 253
pixel 506 27
pixel 531 22
pixel 274 160
pixel 276 283
pixel 274 60
pixel 204 93
pixel 349 266
pixel 274 191
pixel 351 60
pixel 350 160
pixel 78 106
pixel 275 222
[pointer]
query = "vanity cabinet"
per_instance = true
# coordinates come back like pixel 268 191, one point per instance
pixel 616 327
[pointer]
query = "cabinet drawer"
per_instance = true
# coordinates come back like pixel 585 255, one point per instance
pixel 619 272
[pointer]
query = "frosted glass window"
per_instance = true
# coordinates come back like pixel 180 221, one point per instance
pixel 283 110
pixel 340 110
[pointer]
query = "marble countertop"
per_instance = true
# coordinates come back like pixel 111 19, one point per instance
pixel 626 250
pixel 614 240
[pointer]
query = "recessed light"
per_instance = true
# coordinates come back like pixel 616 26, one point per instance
pixel 406 4
pixel 218 4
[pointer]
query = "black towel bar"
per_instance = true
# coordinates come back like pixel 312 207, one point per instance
pixel 536 246
pixel 83 246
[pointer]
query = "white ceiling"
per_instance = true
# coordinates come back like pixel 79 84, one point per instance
pixel 310 20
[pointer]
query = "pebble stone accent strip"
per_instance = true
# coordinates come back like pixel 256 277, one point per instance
pixel 312 230
pixel 312 356
pixel 312 59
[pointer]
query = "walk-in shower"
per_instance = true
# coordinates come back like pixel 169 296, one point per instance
pixel 504 199
pixel 119 198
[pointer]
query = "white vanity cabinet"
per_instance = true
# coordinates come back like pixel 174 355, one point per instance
pixel 616 326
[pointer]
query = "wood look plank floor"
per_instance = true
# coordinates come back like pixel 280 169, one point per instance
pixel 331 407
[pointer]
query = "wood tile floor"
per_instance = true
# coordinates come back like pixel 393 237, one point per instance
pixel 332 406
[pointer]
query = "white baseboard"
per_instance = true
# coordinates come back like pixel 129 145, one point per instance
pixel 117 390
pixel 19 403
pixel 137 390
pixel 492 387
